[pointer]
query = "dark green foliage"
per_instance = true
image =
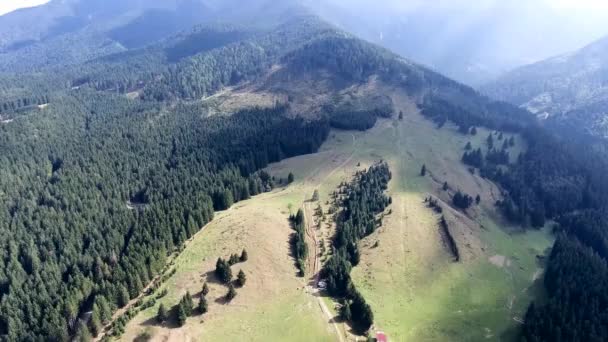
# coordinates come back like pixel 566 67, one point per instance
pixel 477 199
pixel 202 305
pixel 241 279
pixel 498 157
pixel 223 271
pixel 462 200
pixel 400 115
pixel 445 186
pixel 244 256
pixel 182 316
pixel 234 259
pixel 423 171
pixel 468 146
pixel 490 141
pixel 361 313
pixel 162 315
pixel 345 313
pixel 290 178
pixel 362 200
pixel 473 131
pixel 576 280
pixel 187 303
pixel 354 120
pixel 299 248
pixel 205 290
pixel 473 158
pixel 231 293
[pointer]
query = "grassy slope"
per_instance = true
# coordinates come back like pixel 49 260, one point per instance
pixel 415 290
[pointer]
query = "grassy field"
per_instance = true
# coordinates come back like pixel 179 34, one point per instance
pixel 416 292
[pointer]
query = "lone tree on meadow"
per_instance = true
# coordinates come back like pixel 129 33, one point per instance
pixel 315 195
pixel 290 178
pixel 423 170
pixel 241 279
pixel 231 293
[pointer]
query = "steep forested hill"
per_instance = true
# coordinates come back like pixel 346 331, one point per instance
pixel 569 89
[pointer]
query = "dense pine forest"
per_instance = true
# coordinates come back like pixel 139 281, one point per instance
pixel 360 203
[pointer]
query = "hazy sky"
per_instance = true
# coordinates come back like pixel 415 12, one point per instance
pixel 11 5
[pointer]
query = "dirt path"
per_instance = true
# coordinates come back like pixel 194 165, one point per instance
pixel 314 260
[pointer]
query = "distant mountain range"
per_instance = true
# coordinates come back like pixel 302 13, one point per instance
pixel 68 32
pixel 569 90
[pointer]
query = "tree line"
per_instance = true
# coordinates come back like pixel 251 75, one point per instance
pixel 360 201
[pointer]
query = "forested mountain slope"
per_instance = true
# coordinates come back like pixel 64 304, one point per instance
pixel 569 89
pixel 109 165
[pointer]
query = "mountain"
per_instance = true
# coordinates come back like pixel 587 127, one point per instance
pixel 113 159
pixel 470 42
pixel 570 89
pixel 68 32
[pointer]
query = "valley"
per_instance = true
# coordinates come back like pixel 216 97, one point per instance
pixel 416 291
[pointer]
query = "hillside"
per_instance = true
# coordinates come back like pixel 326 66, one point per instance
pixel 67 33
pixel 568 89
pixel 131 179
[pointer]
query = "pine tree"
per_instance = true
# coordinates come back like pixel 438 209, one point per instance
pixel 445 186
pixel 122 298
pixel 423 170
pixel 244 257
pixel 400 115
pixel 205 290
pixel 473 131
pixel 241 278
pixel 290 178
pixel 478 199
pixel 95 324
pixel 162 315
pixel 188 304
pixel 468 146
pixel 233 259
pixel 231 293
pixel 202 305
pixel 82 333
pixel 182 316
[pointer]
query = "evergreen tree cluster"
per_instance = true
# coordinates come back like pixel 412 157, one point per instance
pixel 462 200
pixel 361 201
pixel 299 248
